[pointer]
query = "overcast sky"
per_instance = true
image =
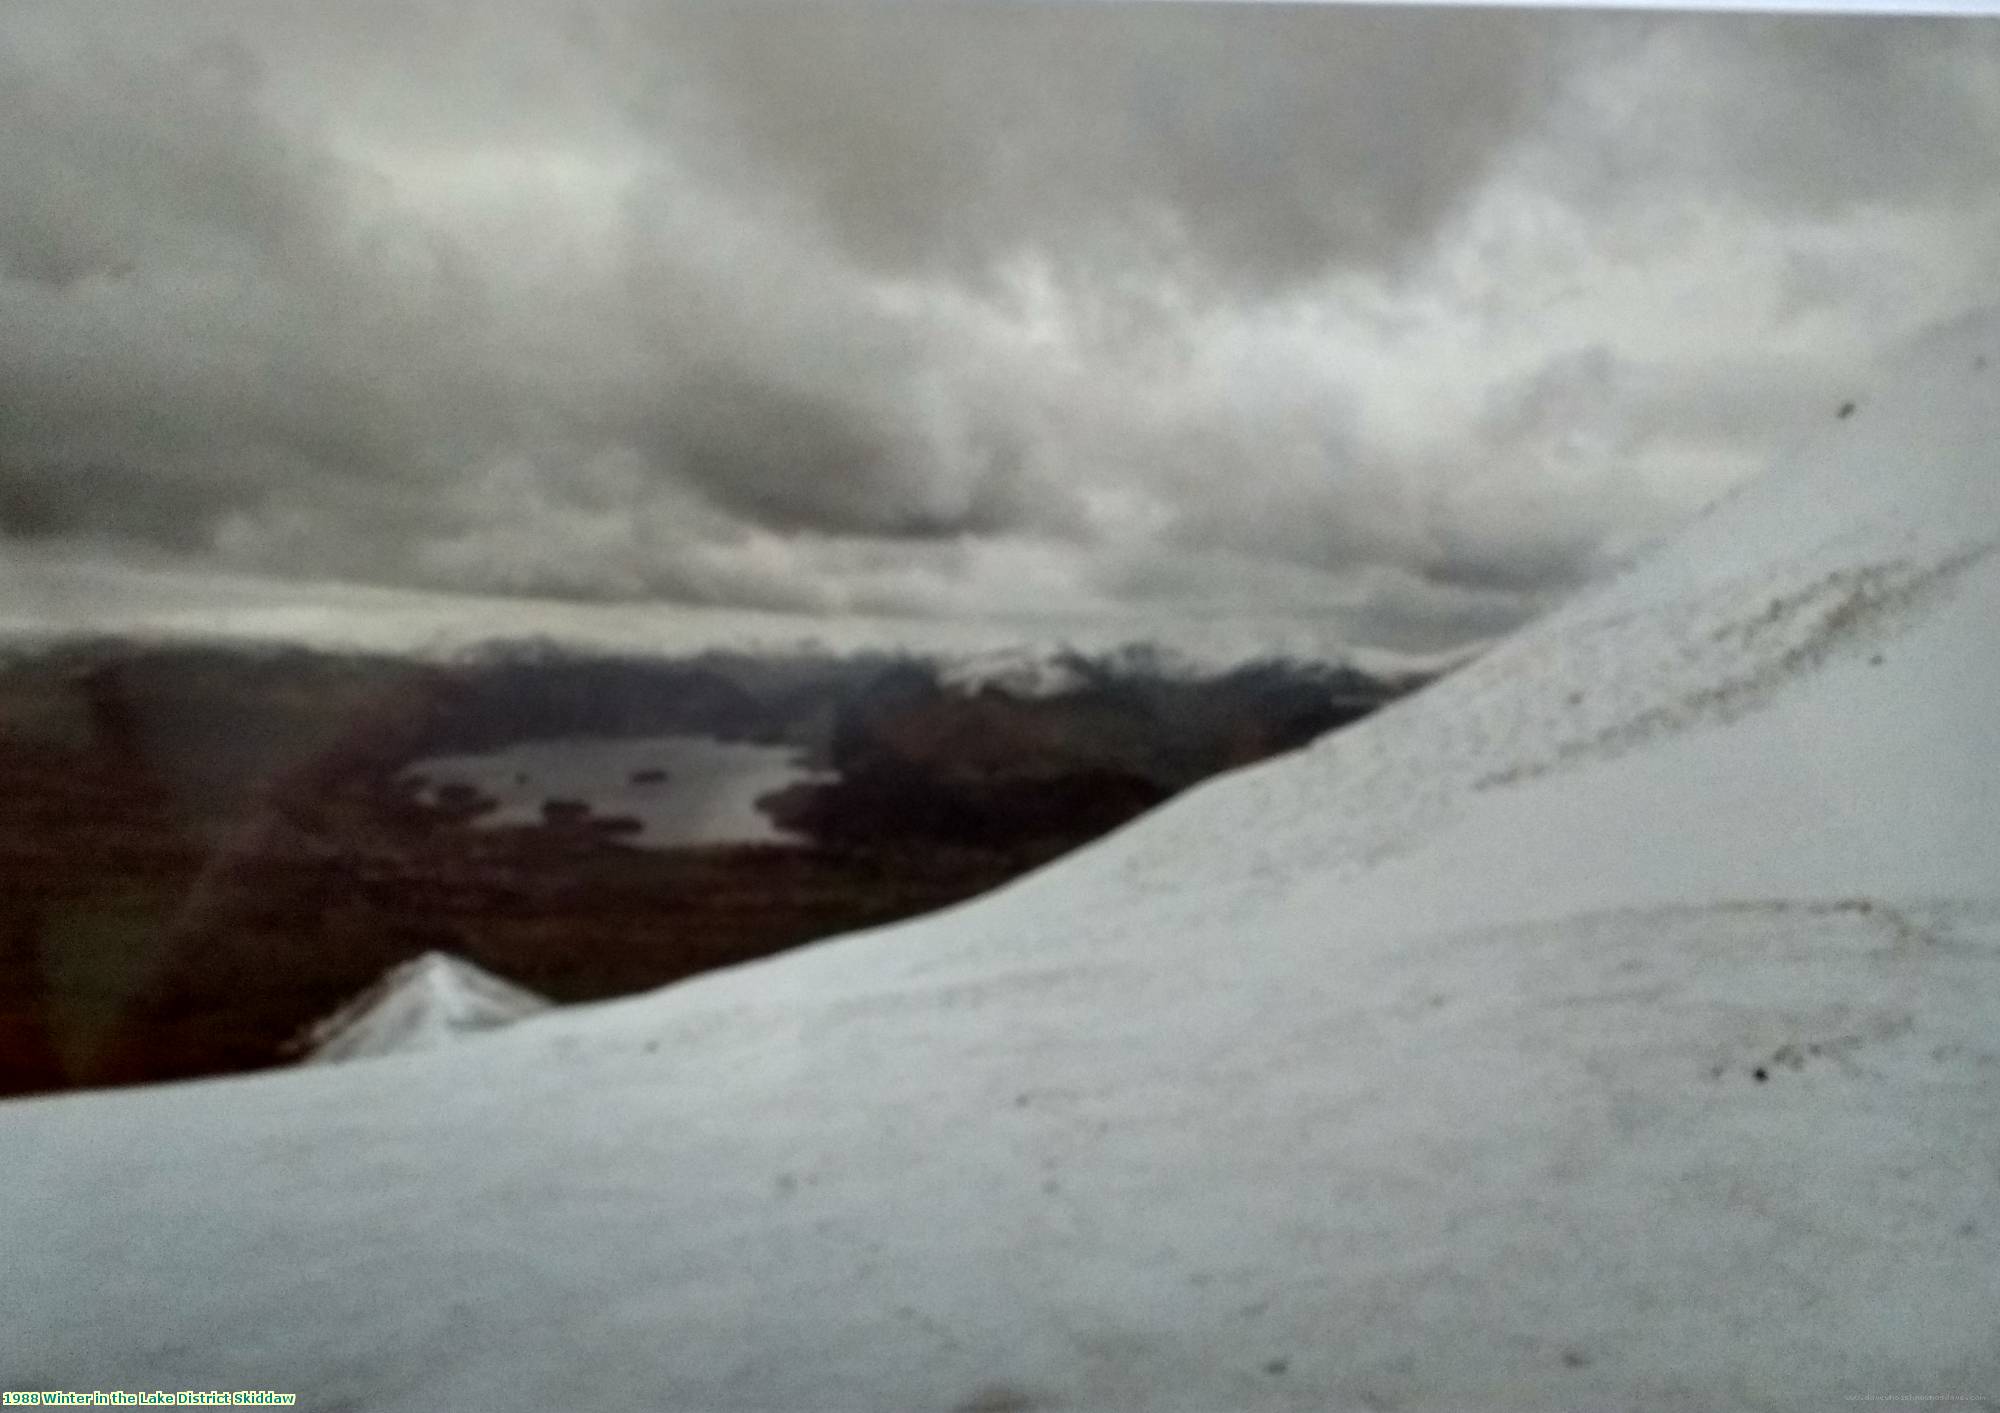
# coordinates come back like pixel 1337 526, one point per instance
pixel 1414 319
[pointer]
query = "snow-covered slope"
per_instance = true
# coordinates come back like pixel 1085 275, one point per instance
pixel 426 1002
pixel 1610 1026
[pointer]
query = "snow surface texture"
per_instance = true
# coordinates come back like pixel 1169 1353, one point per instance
pixel 1607 1027
pixel 430 1001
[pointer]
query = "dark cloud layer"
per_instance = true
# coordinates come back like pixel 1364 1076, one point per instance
pixel 1255 145
pixel 1409 318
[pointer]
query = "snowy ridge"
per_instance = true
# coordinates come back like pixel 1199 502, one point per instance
pixel 1018 671
pixel 1050 670
pixel 1822 560
pixel 429 1001
pixel 1607 1026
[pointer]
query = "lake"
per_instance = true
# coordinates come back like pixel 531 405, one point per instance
pixel 683 790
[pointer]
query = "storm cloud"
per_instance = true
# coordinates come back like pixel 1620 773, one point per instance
pixel 1414 319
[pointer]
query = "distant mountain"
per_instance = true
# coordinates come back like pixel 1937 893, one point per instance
pixel 254 823
pixel 48 598
pixel 430 1001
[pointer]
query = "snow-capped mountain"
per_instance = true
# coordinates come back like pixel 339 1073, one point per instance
pixel 1018 671
pixel 1051 669
pixel 1608 1026
pixel 426 1002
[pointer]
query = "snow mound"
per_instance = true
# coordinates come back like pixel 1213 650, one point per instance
pixel 430 1001
pixel 1607 1026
